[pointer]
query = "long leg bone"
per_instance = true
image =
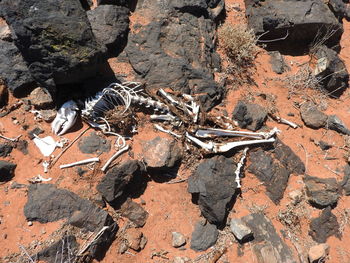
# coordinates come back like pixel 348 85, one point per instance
pixel 211 132
pixel 122 150
pixel 239 167
pixel 11 139
pixel 221 148
pixel 207 146
pixel 90 160
pixel 160 128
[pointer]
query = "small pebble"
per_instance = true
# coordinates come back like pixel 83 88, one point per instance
pixel 30 223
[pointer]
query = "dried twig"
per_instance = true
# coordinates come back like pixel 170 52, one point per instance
pixel 69 145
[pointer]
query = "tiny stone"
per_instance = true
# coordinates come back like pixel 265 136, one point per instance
pixel 5 236
pixel 178 239
pixel 240 230
pixel 30 223
pixel 16 122
pixel 295 196
pixel 123 248
pixel 318 253
pixel 43 231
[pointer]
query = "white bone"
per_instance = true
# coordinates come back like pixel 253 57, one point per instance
pixel 92 241
pixel 221 148
pixel 39 179
pixel 46 166
pixel 46 145
pixel 164 117
pixel 114 156
pixel 239 167
pixel 160 128
pixel 287 122
pixel 90 160
pixel 211 132
pixel 207 146
pixel 65 118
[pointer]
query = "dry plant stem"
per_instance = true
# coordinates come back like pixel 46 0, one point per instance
pixel 239 167
pixel 90 160
pixel 65 149
pixel 26 253
pixel 122 150
pixel 306 156
pixel 11 139
pixel 96 237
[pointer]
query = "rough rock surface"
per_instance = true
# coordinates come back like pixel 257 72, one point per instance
pixel 214 181
pixel 312 117
pixel 134 212
pixel 322 192
pixel 274 168
pixel 249 115
pixel 40 98
pixel 46 203
pixel 331 70
pixel 66 245
pixel 300 21
pixel 336 124
pixel 240 230
pixel 204 236
pixel 345 183
pixel 161 153
pixel 180 46
pixel 112 185
pixel 5 149
pixel 324 226
pixel 135 238
pixel 4 94
pixel 318 253
pixel 278 63
pixel 267 244
pixel 7 170
pixel 94 144
pixel 58 50
pixel 110 25
pixel 178 239
pixel 13 70
pixel 340 8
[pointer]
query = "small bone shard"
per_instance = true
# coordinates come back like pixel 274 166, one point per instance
pixel 46 145
pixel 90 160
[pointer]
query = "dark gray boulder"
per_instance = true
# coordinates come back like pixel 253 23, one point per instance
pixel 336 124
pixel 181 47
pixel 13 69
pixel 267 244
pixel 55 39
pixel 249 115
pixel 46 203
pixel 113 184
pixel 312 117
pixel 322 192
pixel 5 149
pixel 94 144
pixel 214 181
pixel 7 170
pixel 273 168
pixel 331 71
pixel 324 226
pixel 134 212
pixel 110 25
pixel 296 23
pixel 204 236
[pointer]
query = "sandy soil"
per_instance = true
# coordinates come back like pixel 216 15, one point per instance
pixel 169 205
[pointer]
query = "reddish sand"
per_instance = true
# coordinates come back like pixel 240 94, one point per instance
pixel 169 205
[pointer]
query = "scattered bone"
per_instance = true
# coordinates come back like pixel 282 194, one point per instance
pixel 11 139
pixel 207 146
pixel 46 166
pixel 90 160
pixel 122 150
pixel 163 117
pixel 211 132
pixel 38 179
pixel 239 167
pixel 46 145
pixel 160 128
pixel 65 118
pixel 284 121
pixel 225 147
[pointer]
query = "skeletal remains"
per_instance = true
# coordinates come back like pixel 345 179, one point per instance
pixel 176 110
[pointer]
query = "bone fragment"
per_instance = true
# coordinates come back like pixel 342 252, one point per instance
pixel 211 132
pixel 90 160
pixel 39 179
pixel 122 150
pixel 46 145
pixel 160 128
pixel 163 117
pixel 287 122
pixel 207 146
pixel 92 241
pixel 46 166
pixel 239 167
pixel 221 148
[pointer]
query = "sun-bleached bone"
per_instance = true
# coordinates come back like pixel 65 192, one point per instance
pixel 212 132
pixel 162 117
pixel 206 146
pixel 90 160
pixel 160 128
pixel 65 118
pixel 46 145
pixel 114 156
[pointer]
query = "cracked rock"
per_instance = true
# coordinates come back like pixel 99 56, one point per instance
pixel 40 99
pixel 318 253
pixel 94 144
pixel 178 239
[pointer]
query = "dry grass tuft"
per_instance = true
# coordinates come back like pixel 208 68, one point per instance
pixel 239 44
